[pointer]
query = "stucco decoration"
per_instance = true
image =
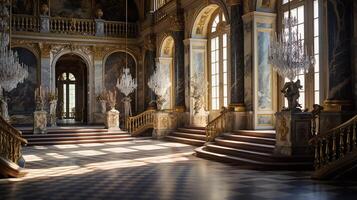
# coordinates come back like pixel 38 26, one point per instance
pixel 202 20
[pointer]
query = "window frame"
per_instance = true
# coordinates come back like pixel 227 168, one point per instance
pixel 222 29
pixel 309 83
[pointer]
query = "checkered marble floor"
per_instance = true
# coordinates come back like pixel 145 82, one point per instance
pixel 148 169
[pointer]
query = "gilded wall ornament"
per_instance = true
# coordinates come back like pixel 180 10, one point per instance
pixel 283 129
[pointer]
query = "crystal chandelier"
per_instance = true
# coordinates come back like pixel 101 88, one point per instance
pixel 12 71
pixel 126 84
pixel 159 83
pixel 289 58
pixel 287 54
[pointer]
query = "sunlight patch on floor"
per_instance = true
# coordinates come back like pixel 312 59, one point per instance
pixel 88 153
pixel 32 158
pixel 119 150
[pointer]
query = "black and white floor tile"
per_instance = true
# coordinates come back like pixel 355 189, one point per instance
pixel 147 169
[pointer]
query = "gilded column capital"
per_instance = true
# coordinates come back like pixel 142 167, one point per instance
pixel 149 42
pixel 45 49
pixel 99 52
pixel 233 2
pixel 176 23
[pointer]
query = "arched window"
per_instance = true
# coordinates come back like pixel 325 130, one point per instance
pixel 307 13
pixel 218 65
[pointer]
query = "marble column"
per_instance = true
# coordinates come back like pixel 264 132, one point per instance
pixel 46 70
pixel 339 39
pixel 237 57
pixel 179 62
pixel 149 69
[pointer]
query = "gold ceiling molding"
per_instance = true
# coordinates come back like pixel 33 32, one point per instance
pixel 149 42
pixel 176 22
pixel 86 51
pixel 202 20
pixel 166 49
pixel 30 45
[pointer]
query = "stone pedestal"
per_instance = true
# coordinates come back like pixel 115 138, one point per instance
pixel 199 119
pixel 164 123
pixel 40 122
pixel 45 24
pixel 112 119
pixel 293 132
pixel 99 27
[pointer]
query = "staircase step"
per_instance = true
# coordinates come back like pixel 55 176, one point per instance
pixel 195 127
pixel 245 145
pixel 250 163
pixel 256 133
pixel 59 138
pixel 49 135
pixel 185 140
pixel 260 156
pixel 251 139
pixel 193 131
pixel 54 142
pixel 50 130
pixel 189 135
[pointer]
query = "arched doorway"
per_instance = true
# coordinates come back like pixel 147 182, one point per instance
pixel 71 82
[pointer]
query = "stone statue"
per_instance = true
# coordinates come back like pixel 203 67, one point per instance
pixel 127 106
pixel 53 116
pixel 291 92
pixel 112 99
pixel 4 108
pixel 40 95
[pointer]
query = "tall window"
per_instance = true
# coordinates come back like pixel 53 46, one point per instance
pixel 306 12
pixel 68 85
pixel 218 44
pixel 316 53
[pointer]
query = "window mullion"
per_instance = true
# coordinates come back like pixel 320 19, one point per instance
pixel 221 83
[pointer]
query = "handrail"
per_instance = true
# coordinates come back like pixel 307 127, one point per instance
pixel 335 144
pixel 11 141
pixel 118 29
pixel 140 122
pixel 217 126
pixel 25 23
pixel 72 26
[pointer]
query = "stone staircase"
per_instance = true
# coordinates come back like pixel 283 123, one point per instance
pixel 75 135
pixel 195 136
pixel 253 149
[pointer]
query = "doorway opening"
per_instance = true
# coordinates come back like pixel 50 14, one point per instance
pixel 71 83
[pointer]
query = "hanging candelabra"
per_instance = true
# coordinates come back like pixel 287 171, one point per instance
pixel 12 72
pixel 126 85
pixel 289 58
pixel 159 83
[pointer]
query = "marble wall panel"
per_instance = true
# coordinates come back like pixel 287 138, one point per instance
pixel 22 98
pixel 114 66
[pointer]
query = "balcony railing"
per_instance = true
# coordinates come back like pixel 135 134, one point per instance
pixel 72 26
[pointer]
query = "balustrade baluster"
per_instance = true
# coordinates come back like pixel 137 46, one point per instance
pixel 327 151
pixel 322 156
pixel 334 150
pixel 317 156
pixel 342 143
pixel 348 140
pixel 354 137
